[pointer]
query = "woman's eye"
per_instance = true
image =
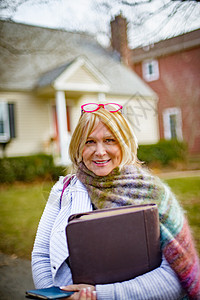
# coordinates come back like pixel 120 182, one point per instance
pixel 110 140
pixel 89 142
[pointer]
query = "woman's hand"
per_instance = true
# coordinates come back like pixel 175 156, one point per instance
pixel 82 291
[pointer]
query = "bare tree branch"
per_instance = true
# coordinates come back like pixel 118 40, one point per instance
pixel 137 12
pixel 13 5
pixel 135 3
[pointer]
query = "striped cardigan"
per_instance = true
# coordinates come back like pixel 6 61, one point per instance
pixel 50 252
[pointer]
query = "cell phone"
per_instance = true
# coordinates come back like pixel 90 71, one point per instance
pixel 53 292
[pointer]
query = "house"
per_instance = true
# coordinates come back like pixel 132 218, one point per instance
pixel 47 74
pixel 171 68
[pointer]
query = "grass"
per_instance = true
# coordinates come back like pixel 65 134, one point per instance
pixel 187 191
pixel 22 206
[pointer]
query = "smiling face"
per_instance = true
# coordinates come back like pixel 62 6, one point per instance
pixel 102 152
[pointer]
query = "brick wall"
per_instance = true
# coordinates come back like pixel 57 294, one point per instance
pixel 179 86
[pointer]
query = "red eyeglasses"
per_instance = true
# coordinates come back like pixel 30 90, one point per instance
pixel 91 107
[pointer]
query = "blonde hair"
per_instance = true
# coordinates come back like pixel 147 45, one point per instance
pixel 116 123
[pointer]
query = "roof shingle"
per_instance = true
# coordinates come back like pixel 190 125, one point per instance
pixel 33 55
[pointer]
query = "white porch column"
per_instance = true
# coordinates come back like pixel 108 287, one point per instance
pixel 62 127
pixel 101 97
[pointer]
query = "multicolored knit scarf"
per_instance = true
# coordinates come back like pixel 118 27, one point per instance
pixel 134 185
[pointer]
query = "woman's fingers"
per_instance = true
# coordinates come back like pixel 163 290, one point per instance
pixel 87 294
pixel 82 291
pixel 83 295
pixel 71 288
pixel 94 295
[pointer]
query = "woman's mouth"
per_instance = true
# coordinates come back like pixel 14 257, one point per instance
pixel 101 162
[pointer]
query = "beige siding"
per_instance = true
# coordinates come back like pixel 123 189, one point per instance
pixel 144 118
pixel 142 115
pixel 32 118
pixel 83 75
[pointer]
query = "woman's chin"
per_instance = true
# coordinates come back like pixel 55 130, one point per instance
pixel 101 171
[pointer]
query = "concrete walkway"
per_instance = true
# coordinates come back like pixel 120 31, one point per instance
pixel 179 174
pixel 15 277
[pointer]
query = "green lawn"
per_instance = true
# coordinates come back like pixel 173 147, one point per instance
pixel 188 194
pixel 22 206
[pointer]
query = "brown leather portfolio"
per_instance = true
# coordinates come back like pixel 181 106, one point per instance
pixel 113 245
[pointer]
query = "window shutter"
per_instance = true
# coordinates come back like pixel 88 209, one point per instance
pixel 11 111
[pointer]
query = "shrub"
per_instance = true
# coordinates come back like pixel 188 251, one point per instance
pixel 165 152
pixel 29 168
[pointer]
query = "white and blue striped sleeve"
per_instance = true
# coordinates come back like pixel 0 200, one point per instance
pixel 159 284
pixel 41 268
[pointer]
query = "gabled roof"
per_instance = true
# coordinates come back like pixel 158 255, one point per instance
pixel 80 75
pixel 50 76
pixel 165 47
pixel 34 56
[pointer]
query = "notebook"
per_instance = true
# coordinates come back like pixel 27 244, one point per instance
pixel 113 245
pixel 53 292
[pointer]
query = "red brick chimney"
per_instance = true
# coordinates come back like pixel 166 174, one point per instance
pixel 119 41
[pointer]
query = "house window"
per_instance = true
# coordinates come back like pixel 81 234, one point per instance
pixel 172 123
pixel 7 122
pixel 150 70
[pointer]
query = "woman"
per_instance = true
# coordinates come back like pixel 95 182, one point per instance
pixel 103 151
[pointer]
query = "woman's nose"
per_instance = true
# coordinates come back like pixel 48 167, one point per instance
pixel 100 149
